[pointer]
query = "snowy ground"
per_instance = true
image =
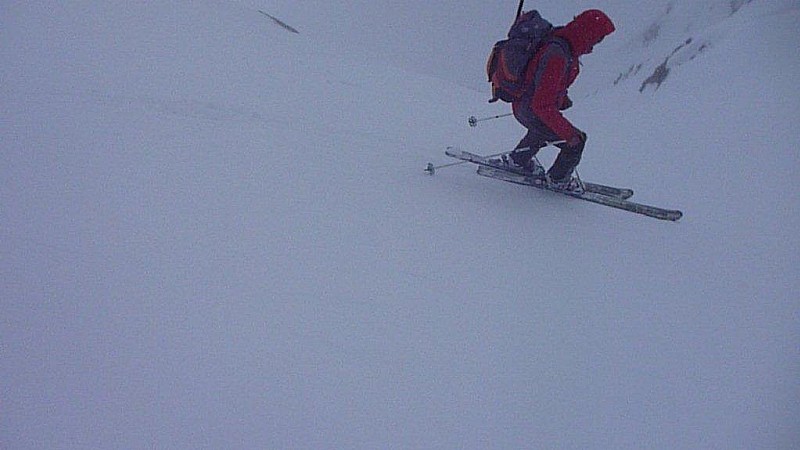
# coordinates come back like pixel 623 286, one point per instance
pixel 215 233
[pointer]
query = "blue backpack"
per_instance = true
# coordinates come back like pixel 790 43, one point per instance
pixel 509 59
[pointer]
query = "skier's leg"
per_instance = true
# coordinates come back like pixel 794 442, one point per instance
pixel 566 162
pixel 532 141
pixel 527 148
pixel 535 139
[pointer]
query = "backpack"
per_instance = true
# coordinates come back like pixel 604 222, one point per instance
pixel 509 59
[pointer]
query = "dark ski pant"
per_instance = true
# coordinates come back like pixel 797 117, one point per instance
pixel 538 136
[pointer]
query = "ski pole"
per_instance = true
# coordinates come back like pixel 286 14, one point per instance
pixel 430 169
pixel 519 10
pixel 473 121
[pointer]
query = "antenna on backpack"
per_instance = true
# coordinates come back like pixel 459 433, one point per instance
pixel 519 10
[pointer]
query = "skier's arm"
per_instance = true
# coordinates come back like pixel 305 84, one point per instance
pixel 546 98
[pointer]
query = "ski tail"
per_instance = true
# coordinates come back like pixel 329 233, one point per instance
pixel 594 197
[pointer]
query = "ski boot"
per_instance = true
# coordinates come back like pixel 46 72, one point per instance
pixel 568 184
pixel 524 163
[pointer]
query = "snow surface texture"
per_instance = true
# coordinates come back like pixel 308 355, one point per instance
pixel 216 233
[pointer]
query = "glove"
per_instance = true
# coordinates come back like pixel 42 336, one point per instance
pixel 566 103
pixel 578 139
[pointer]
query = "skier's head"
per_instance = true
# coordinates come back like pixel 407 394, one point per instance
pixel 587 30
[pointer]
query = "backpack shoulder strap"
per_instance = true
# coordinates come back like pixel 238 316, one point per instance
pixel 553 46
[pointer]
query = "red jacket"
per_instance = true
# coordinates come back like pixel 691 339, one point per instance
pixel 559 71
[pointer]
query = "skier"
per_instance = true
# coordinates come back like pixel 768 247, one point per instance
pixel 532 70
pixel 555 68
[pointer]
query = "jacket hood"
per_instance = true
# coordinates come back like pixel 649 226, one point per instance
pixel 586 30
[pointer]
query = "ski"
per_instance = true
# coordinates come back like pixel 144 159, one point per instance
pixel 482 161
pixel 487 169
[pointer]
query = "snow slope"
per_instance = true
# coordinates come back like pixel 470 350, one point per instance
pixel 216 233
